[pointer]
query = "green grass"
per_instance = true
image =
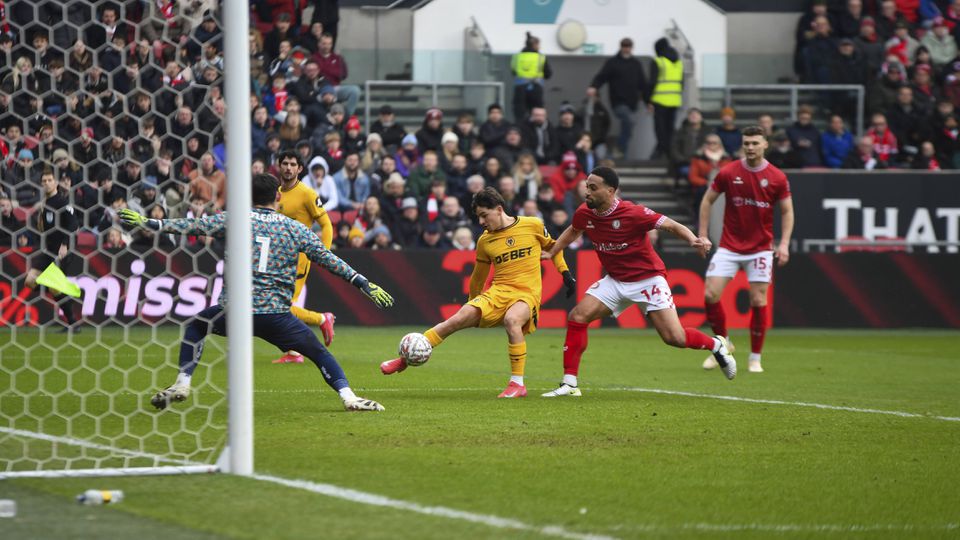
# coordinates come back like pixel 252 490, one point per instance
pixel 617 462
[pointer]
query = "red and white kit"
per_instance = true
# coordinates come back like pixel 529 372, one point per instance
pixel 635 273
pixel 747 241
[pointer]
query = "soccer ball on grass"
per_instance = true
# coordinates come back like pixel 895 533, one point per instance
pixel 415 349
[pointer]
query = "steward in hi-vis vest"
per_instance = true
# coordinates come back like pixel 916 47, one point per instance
pixel 529 68
pixel 666 94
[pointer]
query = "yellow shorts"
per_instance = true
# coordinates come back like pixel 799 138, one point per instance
pixel 494 303
pixel 303 268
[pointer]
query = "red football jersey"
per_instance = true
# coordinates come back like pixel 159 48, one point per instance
pixel 751 196
pixel 619 237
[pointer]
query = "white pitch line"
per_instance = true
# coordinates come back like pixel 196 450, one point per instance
pixel 373 499
pixel 902 414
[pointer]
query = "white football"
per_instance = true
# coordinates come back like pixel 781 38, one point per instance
pixel 415 349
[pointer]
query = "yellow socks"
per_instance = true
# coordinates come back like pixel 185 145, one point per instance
pixel 433 337
pixel 518 360
pixel 312 318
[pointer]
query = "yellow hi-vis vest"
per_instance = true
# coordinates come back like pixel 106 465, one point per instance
pixel 528 65
pixel 669 89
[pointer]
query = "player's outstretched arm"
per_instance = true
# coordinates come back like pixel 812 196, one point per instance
pixel 561 264
pixel 314 249
pixel 782 252
pixel 566 238
pixel 701 244
pixel 214 225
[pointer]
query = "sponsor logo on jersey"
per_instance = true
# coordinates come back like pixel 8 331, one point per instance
pixel 744 201
pixel 511 242
pixel 737 180
pixel 611 246
pixel 616 224
pixel 590 225
pixel 513 255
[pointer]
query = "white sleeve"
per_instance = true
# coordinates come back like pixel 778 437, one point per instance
pixel 328 192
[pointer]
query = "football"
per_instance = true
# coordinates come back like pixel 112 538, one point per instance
pixel 415 349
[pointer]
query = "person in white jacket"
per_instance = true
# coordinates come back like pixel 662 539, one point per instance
pixel 321 182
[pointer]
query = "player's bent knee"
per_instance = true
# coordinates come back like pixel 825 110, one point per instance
pixel 675 339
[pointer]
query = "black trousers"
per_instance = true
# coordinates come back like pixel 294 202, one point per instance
pixel 664 119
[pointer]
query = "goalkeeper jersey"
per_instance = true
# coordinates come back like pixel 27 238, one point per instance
pixel 277 242
pixel 515 251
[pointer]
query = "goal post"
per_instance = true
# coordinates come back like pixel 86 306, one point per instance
pixel 77 403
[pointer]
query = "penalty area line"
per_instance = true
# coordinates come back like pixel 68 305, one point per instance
pixel 373 499
pixel 902 414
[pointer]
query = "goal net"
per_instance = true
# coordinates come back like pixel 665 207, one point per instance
pixel 122 104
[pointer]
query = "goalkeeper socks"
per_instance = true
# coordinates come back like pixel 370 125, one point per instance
pixel 573 347
pixel 717 318
pixel 183 379
pixel 433 337
pixel 346 393
pixel 329 368
pixel 191 349
pixel 518 360
pixel 758 328
pixel 698 340
pixel 311 318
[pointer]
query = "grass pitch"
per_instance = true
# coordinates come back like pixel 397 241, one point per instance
pixel 622 461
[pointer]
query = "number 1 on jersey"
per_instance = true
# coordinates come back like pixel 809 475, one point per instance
pixel 264 242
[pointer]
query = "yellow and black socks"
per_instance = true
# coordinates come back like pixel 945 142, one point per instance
pixel 518 361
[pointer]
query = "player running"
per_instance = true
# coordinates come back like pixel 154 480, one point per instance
pixel 635 275
pixel 752 187
pixel 512 245
pixel 299 202
pixel 277 243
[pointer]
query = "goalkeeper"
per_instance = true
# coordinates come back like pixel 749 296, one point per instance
pixel 277 242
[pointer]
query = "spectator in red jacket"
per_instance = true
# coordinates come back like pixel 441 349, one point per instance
pixel 565 179
pixel 884 141
pixel 334 69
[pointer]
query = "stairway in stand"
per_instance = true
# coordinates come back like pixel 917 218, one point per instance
pixel 649 183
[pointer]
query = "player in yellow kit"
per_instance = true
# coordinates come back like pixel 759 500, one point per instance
pixel 512 245
pixel 299 202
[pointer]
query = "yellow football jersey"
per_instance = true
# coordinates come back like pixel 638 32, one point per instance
pixel 302 204
pixel 514 253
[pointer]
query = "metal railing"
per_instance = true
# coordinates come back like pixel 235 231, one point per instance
pixel 888 244
pixel 433 85
pixel 794 91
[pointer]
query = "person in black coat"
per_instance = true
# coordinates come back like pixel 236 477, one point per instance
pixel 781 155
pixel 494 130
pixel 389 130
pixel 540 137
pixel 627 84
pixel 430 134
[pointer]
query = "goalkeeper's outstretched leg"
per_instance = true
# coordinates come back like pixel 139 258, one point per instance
pixel 282 330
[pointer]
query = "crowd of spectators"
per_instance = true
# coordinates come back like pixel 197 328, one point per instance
pixel 904 52
pixel 128 111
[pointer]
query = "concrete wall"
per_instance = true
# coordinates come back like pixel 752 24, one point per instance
pixel 760 47
pixel 375 43
pixel 438 31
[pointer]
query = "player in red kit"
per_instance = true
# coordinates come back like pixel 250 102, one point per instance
pixel 752 187
pixel 635 275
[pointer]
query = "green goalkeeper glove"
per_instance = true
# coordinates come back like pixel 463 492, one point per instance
pixel 134 219
pixel 373 291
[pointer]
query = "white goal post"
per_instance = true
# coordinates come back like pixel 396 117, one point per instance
pixel 77 404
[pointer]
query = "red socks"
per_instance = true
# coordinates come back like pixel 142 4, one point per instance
pixel 758 328
pixel 698 340
pixel 573 347
pixel 717 318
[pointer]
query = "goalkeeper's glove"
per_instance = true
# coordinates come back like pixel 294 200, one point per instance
pixel 569 282
pixel 372 291
pixel 134 219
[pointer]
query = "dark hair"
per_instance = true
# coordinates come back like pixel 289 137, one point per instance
pixel 289 154
pixel 265 188
pixel 753 131
pixel 487 198
pixel 608 175
pixel 494 106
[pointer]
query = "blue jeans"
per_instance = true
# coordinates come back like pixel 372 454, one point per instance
pixel 348 94
pixel 625 115
pixel 282 330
